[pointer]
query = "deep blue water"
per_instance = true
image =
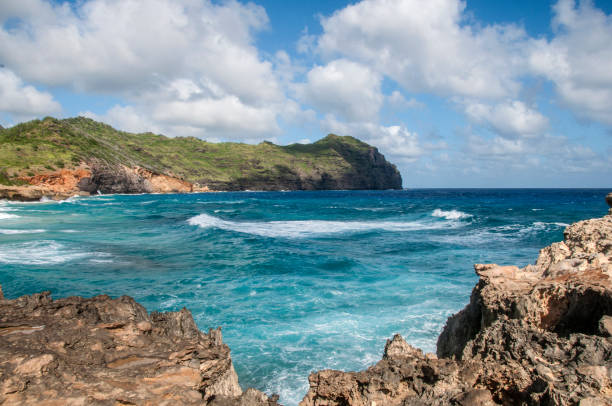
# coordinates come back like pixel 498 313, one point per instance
pixel 300 281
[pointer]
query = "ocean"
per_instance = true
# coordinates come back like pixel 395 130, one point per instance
pixel 299 281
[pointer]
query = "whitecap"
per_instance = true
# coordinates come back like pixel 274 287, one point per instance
pixel 44 252
pixel 4 216
pixel 305 228
pixel 10 231
pixel 450 214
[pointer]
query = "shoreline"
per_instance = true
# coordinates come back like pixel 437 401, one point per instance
pixel 504 347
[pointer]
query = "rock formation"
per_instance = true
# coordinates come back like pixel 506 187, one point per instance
pixel 104 351
pixel 540 335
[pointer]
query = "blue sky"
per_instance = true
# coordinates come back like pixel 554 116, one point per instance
pixel 457 93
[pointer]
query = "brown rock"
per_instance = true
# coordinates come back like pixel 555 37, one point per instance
pixel 77 351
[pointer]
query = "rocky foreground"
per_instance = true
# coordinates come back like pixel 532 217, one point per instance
pixel 104 351
pixel 540 335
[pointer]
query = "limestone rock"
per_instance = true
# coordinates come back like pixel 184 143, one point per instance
pixel 104 351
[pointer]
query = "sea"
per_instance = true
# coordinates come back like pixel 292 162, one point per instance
pixel 298 281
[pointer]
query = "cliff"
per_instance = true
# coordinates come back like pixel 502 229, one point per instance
pixel 540 335
pixel 60 158
pixel 104 351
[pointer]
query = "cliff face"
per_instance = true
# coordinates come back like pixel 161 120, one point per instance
pixel 104 351
pixel 540 335
pixel 53 154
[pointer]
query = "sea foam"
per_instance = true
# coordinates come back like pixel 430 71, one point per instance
pixel 11 231
pixel 305 228
pixel 450 214
pixel 43 252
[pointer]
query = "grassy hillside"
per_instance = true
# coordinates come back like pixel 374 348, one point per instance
pixel 41 146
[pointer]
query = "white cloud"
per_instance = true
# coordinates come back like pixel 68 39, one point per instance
pixel 227 116
pixel 426 46
pixel 23 101
pixel 579 59
pixel 512 119
pixel 343 88
pixel 179 61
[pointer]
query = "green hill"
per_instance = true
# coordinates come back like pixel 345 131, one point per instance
pixel 334 162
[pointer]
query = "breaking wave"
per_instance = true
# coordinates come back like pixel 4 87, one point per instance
pixel 305 228
pixel 450 214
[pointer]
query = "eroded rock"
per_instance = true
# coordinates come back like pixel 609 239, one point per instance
pixel 105 351
pixel 540 335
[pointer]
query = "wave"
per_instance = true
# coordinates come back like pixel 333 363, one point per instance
pixel 450 214
pixel 4 216
pixel 9 231
pixel 305 228
pixel 540 224
pixel 508 232
pixel 44 252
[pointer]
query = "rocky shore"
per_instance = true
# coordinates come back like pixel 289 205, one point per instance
pixel 540 335
pixel 104 351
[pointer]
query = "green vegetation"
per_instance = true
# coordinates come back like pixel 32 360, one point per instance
pixel 51 144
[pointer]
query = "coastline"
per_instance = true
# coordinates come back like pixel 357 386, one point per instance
pixel 477 351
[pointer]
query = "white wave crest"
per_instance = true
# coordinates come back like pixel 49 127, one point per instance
pixel 305 228
pixel 450 214
pixel 44 252
pixel 10 231
pixel 4 216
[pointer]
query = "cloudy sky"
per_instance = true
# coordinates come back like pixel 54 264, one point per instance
pixel 457 93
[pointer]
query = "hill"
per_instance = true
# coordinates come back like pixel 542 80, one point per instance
pixel 80 154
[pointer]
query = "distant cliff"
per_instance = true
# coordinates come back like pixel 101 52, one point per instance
pixel 60 157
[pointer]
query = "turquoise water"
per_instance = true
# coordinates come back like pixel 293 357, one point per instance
pixel 300 281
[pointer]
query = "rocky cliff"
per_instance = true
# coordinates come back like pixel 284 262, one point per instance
pixel 60 158
pixel 104 351
pixel 540 335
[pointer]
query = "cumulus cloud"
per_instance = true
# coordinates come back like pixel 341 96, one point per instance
pixel 512 119
pixel 427 46
pixel 24 101
pixel 578 59
pixel 344 88
pixel 158 55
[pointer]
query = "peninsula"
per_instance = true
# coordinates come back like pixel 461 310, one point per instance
pixel 60 158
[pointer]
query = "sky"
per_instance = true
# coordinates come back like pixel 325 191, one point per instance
pixel 473 93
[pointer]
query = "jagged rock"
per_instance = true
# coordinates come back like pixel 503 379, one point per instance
pixel 117 179
pixel 540 335
pixel 104 351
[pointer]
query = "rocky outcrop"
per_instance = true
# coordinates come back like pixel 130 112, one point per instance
pixel 540 335
pixel 97 176
pixel 34 193
pixel 104 351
